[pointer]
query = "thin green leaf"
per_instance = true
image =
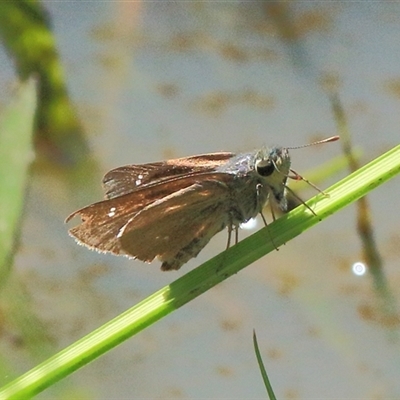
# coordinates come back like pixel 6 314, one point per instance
pixel 264 374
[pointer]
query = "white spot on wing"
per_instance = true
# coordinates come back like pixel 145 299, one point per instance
pixel 139 179
pixel 112 212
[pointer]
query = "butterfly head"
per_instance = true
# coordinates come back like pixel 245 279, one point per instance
pixel 273 167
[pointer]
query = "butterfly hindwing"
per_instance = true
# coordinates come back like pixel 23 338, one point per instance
pixel 174 229
pixel 126 179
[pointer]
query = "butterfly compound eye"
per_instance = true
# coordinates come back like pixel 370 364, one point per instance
pixel 265 167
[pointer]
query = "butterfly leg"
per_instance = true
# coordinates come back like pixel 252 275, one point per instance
pixel 272 212
pixel 228 244
pixel 269 233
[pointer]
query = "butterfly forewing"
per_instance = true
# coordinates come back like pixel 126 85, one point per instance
pixel 101 222
pixel 124 180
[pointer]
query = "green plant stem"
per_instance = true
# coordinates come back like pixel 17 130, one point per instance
pixel 25 31
pixel 203 278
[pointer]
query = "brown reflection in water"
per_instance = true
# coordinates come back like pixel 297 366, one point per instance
pixel 373 313
pixel 230 325
pixel 224 371
pixel 217 102
pixel 392 86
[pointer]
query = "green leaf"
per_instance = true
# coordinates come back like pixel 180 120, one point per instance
pixel 16 154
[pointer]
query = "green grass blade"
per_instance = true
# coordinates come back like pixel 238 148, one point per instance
pixel 16 154
pixel 264 374
pixel 26 33
pixel 202 278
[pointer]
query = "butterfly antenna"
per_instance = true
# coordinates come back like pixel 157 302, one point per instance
pixel 327 140
pixel 297 177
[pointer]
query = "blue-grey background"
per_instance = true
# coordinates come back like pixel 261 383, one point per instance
pixel 154 80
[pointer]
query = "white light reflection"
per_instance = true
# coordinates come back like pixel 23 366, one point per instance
pixel 359 268
pixel 250 224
